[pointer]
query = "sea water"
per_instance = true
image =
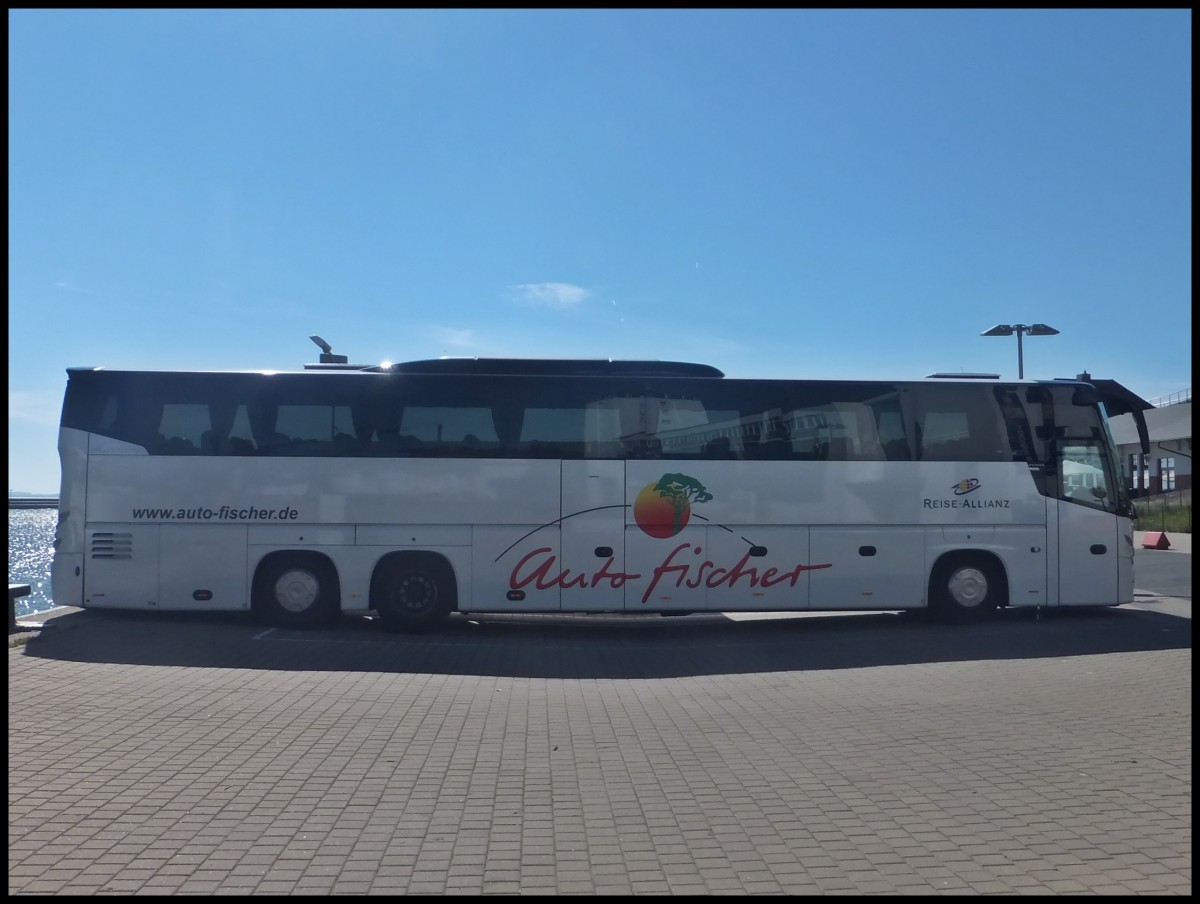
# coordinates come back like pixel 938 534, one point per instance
pixel 30 549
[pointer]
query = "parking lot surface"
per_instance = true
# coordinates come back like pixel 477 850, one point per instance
pixel 870 753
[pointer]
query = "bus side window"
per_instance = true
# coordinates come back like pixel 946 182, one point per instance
pixel 952 425
pixel 1016 426
pixel 239 445
pixel 185 425
pixel 720 447
pixel 241 437
pixel 890 432
pixel 839 449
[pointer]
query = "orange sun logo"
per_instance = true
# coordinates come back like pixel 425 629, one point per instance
pixel 663 509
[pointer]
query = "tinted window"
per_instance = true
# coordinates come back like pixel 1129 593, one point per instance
pixel 343 414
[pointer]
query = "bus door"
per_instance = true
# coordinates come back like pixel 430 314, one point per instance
pixel 666 542
pixel 1088 532
pixel 516 539
pixel 592 560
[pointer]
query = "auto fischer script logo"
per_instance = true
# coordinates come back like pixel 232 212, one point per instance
pixel 662 509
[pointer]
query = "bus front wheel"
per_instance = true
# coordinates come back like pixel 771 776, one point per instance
pixel 965 589
pixel 295 591
pixel 415 592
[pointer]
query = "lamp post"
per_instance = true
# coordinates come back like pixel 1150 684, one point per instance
pixel 1035 329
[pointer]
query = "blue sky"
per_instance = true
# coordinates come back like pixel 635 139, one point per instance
pixel 799 193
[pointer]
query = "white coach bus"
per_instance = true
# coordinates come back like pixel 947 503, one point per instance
pixel 525 485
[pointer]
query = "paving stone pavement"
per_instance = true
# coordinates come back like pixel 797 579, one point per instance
pixel 875 753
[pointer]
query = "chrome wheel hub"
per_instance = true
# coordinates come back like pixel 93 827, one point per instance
pixel 968 587
pixel 297 590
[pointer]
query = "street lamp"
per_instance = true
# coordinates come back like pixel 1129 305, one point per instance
pixel 1036 329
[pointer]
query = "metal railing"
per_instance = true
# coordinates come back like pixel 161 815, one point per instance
pixel 24 502
pixel 1175 398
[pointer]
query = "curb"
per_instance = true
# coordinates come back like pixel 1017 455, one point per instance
pixel 31 625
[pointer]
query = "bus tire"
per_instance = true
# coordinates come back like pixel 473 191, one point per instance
pixel 296 590
pixel 414 592
pixel 965 588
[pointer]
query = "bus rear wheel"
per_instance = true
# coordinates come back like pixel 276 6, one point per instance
pixel 295 591
pixel 415 592
pixel 965 589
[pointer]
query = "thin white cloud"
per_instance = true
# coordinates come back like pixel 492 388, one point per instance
pixel 552 295
pixel 447 336
pixel 40 407
pixel 67 286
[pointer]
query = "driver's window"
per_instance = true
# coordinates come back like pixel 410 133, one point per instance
pixel 1084 478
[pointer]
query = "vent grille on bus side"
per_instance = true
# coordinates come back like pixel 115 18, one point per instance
pixel 112 546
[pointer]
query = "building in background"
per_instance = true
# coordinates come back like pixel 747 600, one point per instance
pixel 1168 467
